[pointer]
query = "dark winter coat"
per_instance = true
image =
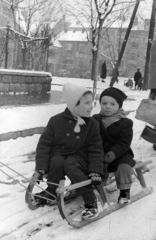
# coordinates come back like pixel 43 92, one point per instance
pixel 137 76
pixel 59 138
pixel 103 70
pixel 117 138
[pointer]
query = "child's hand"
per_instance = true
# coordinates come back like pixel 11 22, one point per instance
pixel 96 178
pixel 110 157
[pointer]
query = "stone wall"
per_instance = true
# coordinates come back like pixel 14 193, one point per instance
pixel 24 81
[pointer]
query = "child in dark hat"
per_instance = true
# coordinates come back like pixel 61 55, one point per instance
pixel 71 146
pixel 117 133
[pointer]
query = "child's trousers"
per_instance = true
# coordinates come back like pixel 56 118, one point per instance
pixel 123 176
pixel 70 166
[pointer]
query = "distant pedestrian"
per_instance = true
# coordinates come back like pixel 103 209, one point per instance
pixel 129 83
pixel 137 77
pixel 103 72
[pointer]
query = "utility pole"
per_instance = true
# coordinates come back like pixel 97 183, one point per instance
pixel 149 44
pixel 6 46
pixel 115 72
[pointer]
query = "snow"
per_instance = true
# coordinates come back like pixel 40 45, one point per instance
pixel 24 72
pixel 136 221
pixel 76 35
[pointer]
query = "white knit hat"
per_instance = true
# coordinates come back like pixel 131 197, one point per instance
pixel 72 94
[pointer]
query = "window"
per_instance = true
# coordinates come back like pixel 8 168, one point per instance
pixel 81 47
pixel 69 46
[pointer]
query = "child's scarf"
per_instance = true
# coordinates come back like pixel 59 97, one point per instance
pixel 79 122
pixel 107 121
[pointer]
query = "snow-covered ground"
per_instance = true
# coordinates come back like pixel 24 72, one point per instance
pixel 136 221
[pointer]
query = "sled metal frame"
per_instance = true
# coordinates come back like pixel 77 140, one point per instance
pixel 107 207
pixel 29 192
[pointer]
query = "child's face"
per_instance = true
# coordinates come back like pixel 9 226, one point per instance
pixel 85 107
pixel 109 106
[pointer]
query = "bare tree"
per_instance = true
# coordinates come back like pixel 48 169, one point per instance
pixel 98 14
pixel 40 18
pixel 10 15
pixel 112 38
pixel 31 27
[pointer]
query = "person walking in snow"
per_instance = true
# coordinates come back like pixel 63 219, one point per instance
pixel 71 146
pixel 137 77
pixel 117 133
pixel 103 72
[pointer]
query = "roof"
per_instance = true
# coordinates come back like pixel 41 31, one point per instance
pixel 73 36
pixel 55 44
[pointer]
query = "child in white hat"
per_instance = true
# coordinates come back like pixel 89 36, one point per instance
pixel 71 146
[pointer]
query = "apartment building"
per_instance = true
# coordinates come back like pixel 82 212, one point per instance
pixel 74 57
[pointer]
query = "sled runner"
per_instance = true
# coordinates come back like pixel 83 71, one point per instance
pixel 30 192
pixel 106 206
pixel 65 193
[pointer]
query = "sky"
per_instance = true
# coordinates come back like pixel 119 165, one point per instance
pixel 136 221
pixel 144 10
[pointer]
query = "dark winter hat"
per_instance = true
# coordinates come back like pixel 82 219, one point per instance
pixel 115 93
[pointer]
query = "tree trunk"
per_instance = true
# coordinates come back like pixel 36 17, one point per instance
pixel 47 55
pixel 96 55
pixel 15 40
pixel 115 72
pixel 150 39
pixel 6 47
pixel 24 58
pixel 94 71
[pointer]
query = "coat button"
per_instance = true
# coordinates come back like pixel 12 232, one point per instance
pixel 78 137
pixel 68 134
pixel 70 121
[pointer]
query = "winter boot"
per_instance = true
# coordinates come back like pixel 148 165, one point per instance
pixel 90 211
pixel 124 197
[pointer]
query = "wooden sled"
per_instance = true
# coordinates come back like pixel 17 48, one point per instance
pixel 107 206
pixel 30 193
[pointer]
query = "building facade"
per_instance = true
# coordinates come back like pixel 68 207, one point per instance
pixel 74 58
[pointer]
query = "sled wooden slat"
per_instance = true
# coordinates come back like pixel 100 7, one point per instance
pixel 73 186
pixel 87 182
pixel 141 164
